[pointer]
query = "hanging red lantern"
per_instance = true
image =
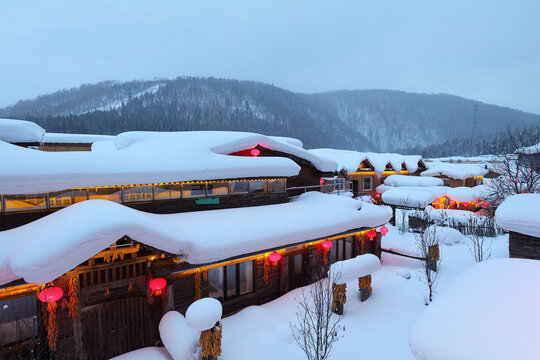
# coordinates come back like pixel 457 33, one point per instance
pixel 321 181
pixel 157 285
pixel 274 257
pixel 327 244
pixel 465 204
pixel 51 294
pixel 371 234
pixel 255 152
pixel 377 195
pixel 384 230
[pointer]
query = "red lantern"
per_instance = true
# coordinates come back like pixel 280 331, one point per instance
pixel 384 230
pixel 371 234
pixel 321 182
pixel 157 285
pixel 255 152
pixel 327 244
pixel 465 204
pixel 50 295
pixel 377 195
pixel 274 257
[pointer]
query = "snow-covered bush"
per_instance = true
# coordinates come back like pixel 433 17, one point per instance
pixel 179 339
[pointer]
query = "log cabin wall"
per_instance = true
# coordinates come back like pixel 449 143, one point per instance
pixel 523 246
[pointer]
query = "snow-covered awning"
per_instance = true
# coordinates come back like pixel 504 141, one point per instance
pixel 49 247
pixel 350 161
pixel 520 213
pixel 406 180
pixel 20 131
pixel 454 171
pixel 149 157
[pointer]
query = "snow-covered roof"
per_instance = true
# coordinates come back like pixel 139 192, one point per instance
pixel 149 157
pixel 20 131
pixel 454 171
pixel 45 249
pixel 406 180
pixel 489 312
pixel 459 194
pixel 520 213
pixel 59 138
pixel 410 198
pixel 350 160
pixel 535 149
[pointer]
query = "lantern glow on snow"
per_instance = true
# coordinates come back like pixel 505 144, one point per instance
pixel 157 285
pixel 50 295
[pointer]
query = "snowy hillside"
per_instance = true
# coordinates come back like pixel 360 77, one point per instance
pixel 365 120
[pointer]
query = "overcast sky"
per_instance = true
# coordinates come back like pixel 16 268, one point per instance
pixel 485 50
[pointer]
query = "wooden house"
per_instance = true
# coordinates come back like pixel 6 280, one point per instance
pixel 456 174
pixel 114 289
pixel 519 215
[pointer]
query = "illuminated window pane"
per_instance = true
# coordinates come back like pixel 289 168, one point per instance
pixel 218 188
pixel 339 249
pixel 111 193
pixel 231 280
pixel 25 202
pixel 257 186
pixel 167 191
pixel 238 187
pixel 276 186
pixel 215 283
pixel 298 264
pixel 194 190
pixel 136 193
pixel 60 198
pixel 246 277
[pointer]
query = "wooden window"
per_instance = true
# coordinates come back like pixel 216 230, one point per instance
pixel 167 191
pixel 25 202
pixel 277 186
pixel 194 190
pixel 111 193
pixel 18 320
pixel 367 183
pixel 137 193
pixel 238 187
pixel 342 249
pixel 230 281
pixel 217 188
pixel 257 186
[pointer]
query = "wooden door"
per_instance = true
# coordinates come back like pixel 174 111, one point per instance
pixel 115 327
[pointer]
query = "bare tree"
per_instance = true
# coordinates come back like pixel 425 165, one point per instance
pixel 317 327
pixel 519 171
pixel 426 244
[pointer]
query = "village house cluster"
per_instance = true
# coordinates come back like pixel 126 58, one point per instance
pixel 102 235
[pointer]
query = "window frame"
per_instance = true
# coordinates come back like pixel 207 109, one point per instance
pixel 364 183
pixel 237 286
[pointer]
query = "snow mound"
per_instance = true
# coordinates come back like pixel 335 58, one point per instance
pixel 406 197
pixel 454 171
pixel 463 194
pixel 407 180
pixel 520 213
pixel 489 312
pixel 20 131
pixel 347 270
pixel 446 235
pixel 180 340
pixel 147 353
pixel 404 273
pixel 203 314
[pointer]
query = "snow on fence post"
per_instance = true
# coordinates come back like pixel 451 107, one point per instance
pixel 204 315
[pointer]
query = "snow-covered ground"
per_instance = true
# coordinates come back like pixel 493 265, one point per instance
pixel 375 329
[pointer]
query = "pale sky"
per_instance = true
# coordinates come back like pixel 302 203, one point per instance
pixel 487 50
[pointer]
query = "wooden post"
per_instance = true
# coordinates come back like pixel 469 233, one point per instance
pixel 433 257
pixel 364 286
pixel 339 296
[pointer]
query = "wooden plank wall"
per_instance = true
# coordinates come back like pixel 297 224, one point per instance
pixel 524 246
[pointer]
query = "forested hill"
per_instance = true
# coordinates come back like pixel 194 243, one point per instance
pixel 375 120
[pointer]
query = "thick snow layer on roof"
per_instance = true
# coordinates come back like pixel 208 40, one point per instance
pixel 61 138
pixel 406 197
pixel 454 171
pixel 20 131
pixel 47 248
pixel 438 191
pixel 535 149
pixel 459 194
pixel 146 157
pixel 407 180
pixel 349 160
pixel 520 213
pixel 347 270
pixel 489 312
